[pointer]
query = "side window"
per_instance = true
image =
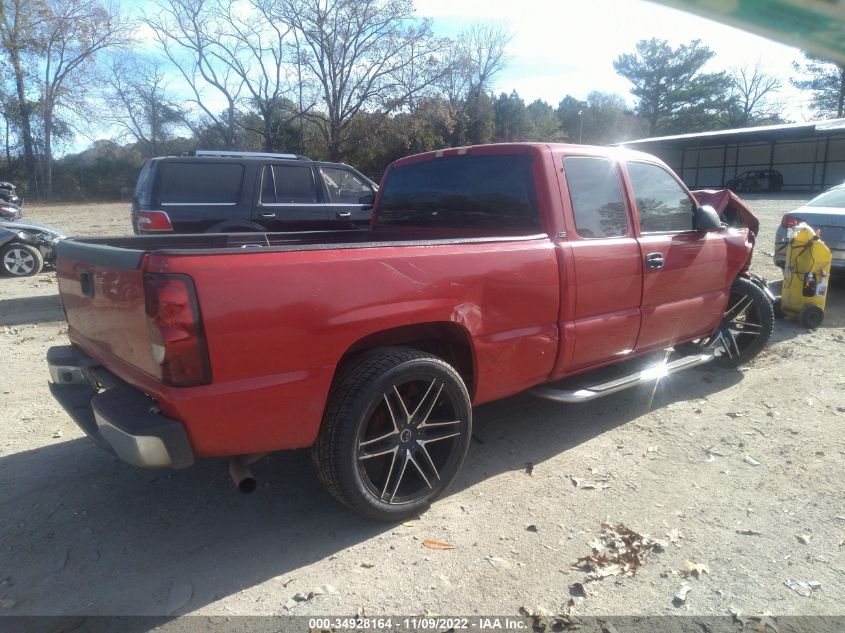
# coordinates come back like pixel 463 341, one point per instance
pixel 596 197
pixel 201 183
pixel 662 204
pixel 344 186
pixel 294 184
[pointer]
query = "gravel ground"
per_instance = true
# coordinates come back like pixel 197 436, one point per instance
pixel 739 471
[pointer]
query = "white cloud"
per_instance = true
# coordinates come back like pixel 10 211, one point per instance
pixel 568 46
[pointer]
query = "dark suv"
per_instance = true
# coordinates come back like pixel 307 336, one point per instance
pixel 217 191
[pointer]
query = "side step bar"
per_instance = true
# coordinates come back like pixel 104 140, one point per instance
pixel 648 375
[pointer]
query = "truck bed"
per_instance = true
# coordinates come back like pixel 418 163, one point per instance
pixel 279 311
pixel 126 252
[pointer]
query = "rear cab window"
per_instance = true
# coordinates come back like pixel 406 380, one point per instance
pixel 596 197
pixel 663 206
pixel 184 183
pixel 490 192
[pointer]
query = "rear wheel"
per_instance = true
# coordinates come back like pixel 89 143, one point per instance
pixel 21 260
pixel 395 433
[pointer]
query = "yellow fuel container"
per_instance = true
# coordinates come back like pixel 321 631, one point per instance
pixel 806 276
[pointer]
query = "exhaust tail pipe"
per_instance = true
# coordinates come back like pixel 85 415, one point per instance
pixel 241 474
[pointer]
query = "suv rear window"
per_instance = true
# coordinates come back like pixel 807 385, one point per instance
pixel 481 191
pixel 200 183
pixel 144 186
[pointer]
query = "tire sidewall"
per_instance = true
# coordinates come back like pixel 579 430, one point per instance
pixel 36 255
pixel 767 317
pixel 359 413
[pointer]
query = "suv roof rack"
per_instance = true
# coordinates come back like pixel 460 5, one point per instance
pixel 221 152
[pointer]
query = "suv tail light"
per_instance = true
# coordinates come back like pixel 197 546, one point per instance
pixel 788 221
pixel 154 221
pixel 180 353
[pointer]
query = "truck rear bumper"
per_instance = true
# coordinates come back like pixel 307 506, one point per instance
pixel 115 415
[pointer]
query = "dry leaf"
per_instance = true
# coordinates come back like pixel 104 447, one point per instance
pixel 432 544
pixel 695 569
pixel 409 523
pixel 618 551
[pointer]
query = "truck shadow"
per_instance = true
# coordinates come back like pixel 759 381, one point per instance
pixel 31 310
pixel 84 533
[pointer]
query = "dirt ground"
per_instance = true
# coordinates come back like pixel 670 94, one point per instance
pixel 741 471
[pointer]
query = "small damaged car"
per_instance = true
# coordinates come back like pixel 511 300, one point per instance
pixel 9 211
pixel 26 246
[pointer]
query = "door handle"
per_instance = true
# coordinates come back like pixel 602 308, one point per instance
pixel 654 260
pixel 86 283
pixel 343 215
pixel 269 215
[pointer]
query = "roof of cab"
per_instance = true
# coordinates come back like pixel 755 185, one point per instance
pixel 617 153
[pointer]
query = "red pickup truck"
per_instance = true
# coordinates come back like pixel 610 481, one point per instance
pixel 486 271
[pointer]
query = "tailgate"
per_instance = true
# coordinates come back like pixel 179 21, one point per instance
pixel 102 291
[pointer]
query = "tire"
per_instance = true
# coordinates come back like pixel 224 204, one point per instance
pixel 811 317
pixel 21 260
pixel 748 330
pixel 747 326
pixel 378 451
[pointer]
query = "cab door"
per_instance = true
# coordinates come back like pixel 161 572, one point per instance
pixel 289 195
pixel 685 272
pixel 606 257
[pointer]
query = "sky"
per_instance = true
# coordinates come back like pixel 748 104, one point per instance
pixel 562 47
pixel 568 46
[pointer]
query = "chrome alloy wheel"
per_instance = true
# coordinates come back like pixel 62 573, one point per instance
pixel 18 261
pixel 741 324
pixel 414 434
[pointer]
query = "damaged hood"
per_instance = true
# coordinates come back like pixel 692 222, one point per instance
pixel 730 208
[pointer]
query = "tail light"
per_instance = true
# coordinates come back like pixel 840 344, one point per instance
pixel 180 352
pixel 788 221
pixel 154 221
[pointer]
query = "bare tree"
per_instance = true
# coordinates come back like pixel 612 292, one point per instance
pixel 751 93
pixel 74 32
pixel 20 28
pixel 140 103
pixel 188 32
pixel 262 52
pixel 474 60
pixel 356 50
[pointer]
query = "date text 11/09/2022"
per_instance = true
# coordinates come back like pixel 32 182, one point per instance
pixel 477 623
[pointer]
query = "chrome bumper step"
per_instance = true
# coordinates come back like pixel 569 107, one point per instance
pixel 642 377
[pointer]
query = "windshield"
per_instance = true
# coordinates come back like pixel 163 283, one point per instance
pixel 832 198
pixel 482 191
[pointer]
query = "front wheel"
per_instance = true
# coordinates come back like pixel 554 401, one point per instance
pixel 746 327
pixel 395 432
pixel 21 260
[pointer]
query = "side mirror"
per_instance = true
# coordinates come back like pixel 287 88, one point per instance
pixel 367 198
pixel 706 219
